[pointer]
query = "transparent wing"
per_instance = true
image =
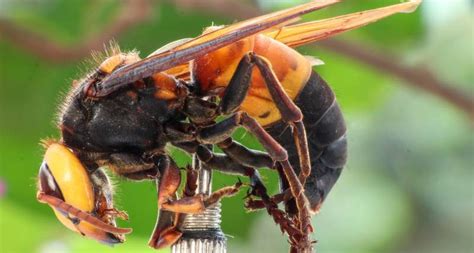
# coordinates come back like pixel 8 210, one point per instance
pixel 305 33
pixel 301 34
pixel 200 46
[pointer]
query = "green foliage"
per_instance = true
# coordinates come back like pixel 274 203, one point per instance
pixel 391 32
pixel 399 173
pixel 357 87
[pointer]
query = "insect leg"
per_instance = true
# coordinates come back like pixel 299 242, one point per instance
pixel 289 111
pixel 237 90
pixel 284 196
pixel 260 204
pixel 191 182
pixel 237 165
pixel 189 146
pixel 169 183
pixel 238 87
pixel 292 114
pixel 238 152
pixel 198 203
pixel 245 156
pixel 179 132
pixel 166 232
pixel 226 164
pixel 168 226
pixel 220 131
pixel 169 180
pixel 255 159
pixel 234 94
pixel 296 187
pixel 200 111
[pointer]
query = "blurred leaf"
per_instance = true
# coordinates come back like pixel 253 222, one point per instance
pixel 16 223
pixel 355 218
pixel 166 24
pixel 63 21
pixel 49 236
pixel 357 87
pixel 413 155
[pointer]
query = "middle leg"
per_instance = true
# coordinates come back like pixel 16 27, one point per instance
pixel 228 165
pixel 237 90
pixel 220 131
pixel 234 95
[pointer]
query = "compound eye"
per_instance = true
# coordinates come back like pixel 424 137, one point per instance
pixel 64 172
pixel 64 184
pixel 47 184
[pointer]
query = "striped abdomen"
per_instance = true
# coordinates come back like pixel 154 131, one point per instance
pixel 214 71
pixel 327 141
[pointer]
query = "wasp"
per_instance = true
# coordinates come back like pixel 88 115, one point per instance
pixel 123 114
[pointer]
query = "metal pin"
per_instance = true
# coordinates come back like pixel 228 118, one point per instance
pixel 202 232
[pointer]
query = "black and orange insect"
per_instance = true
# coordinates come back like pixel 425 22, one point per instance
pixel 124 112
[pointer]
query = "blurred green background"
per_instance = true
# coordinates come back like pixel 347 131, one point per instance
pixel 408 185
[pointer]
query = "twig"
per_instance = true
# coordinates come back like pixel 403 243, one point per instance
pixel 131 13
pixel 417 77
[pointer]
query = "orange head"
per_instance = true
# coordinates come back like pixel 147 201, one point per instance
pixel 82 201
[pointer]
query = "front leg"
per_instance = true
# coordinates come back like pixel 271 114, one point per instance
pixel 199 202
pixel 167 229
pixel 169 184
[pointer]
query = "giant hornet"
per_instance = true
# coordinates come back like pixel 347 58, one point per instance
pixel 125 111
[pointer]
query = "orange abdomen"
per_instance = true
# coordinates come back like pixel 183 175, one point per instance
pixel 213 72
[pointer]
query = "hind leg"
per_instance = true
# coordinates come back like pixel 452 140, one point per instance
pixel 228 165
